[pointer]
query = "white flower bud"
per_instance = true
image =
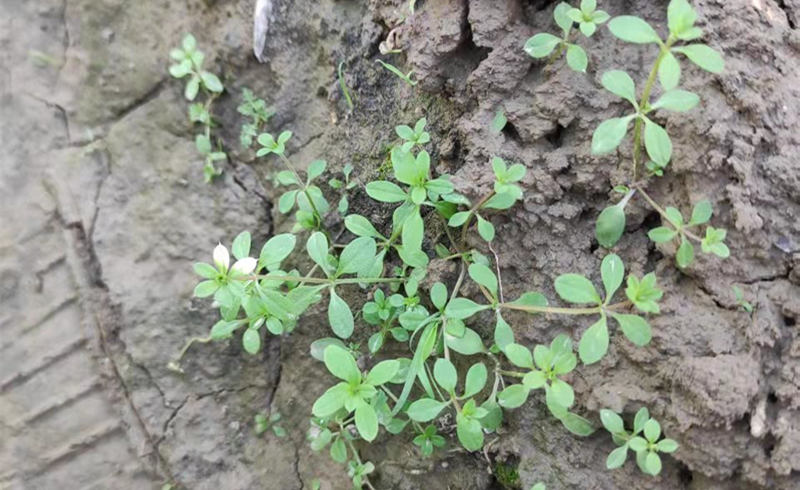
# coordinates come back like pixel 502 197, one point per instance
pixel 221 257
pixel 244 266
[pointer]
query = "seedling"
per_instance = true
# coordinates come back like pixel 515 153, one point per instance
pixel 406 77
pixel 643 440
pixel 344 186
pixel 743 303
pixel 264 423
pixel 543 44
pixel 189 63
pixel 499 121
pixel 343 86
pixel 259 113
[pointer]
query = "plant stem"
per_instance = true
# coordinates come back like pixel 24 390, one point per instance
pixel 321 280
pixel 644 102
pixel 511 373
pixel 663 214
pixel 472 212
pixel 564 311
pixel 317 214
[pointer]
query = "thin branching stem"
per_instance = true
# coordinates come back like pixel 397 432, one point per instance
pixel 663 214
pixel 565 311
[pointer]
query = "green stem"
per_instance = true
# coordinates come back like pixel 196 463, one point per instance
pixel 663 214
pixel 317 214
pixel 564 311
pixel 644 102
pixel 472 213
pixel 515 374
pixel 321 280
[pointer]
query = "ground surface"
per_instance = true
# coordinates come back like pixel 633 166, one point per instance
pixel 104 211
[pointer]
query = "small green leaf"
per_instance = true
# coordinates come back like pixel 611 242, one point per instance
pixel 339 451
pixel 652 430
pixel 667 446
pixel 467 344
pixel 680 16
pixel 461 308
pixel 577 425
pixel 205 289
pixel 519 356
pixel 317 248
pixel 669 71
pixel 617 457
pixel 366 421
pixel 561 16
pixel 211 82
pixel 413 232
pixel 633 30
pixel 609 134
pixel 637 444
pixel 360 226
pixel 469 432
pixel 594 342
pixel 341 364
pixel 620 84
pixel 241 245
pixel 662 234
pixel 612 272
pixel 575 288
pixel 425 409
pixel 701 213
pixel 484 276
pixel 382 372
pixel 611 421
pixel 610 225
pixel 642 416
pixel 677 100
pixel 499 121
pixel 251 341
pixel 192 88
pixel 503 335
pixel 576 58
pixel 635 328
pixel 657 143
pixel 315 169
pixel 653 463
pixel 223 330
pixel 458 219
pixel 330 402
pixel 541 45
pixel 513 396
pixel 276 249
pixel 703 56
pixel 476 379
pixel 534 379
pixel 485 229
pixel 685 254
pixel 445 374
pixel 439 295
pixel 357 256
pixel 386 191
pixel 339 316
pixel 561 393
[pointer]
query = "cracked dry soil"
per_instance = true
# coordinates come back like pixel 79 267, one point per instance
pixel 104 211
